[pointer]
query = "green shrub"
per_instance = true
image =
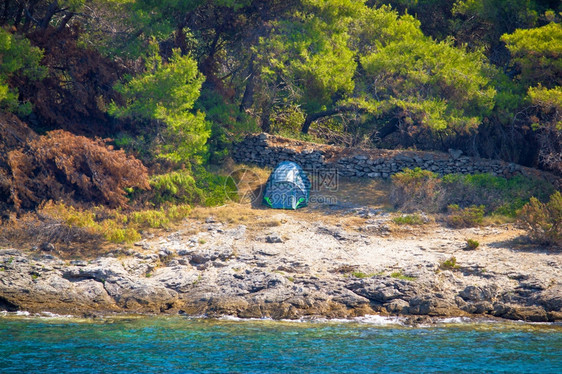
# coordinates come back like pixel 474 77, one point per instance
pixel 399 275
pixel 467 217
pixel 178 211
pixel 409 219
pixel 109 224
pixel 499 195
pixel 424 190
pixel 361 275
pixel 201 187
pixel 150 218
pixel 416 189
pixel 449 264
pixel 472 244
pixel 160 218
pixel 176 187
pixel 218 189
pixel 544 220
pixel 126 235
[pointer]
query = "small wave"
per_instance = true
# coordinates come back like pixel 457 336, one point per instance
pixel 235 318
pixel 54 315
pixel 26 314
pixel 455 320
pixel 374 319
pixel 370 319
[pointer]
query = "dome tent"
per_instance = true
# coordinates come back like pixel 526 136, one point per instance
pixel 288 187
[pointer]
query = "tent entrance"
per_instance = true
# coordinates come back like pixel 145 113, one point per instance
pixel 287 187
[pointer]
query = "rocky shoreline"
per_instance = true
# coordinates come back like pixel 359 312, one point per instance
pixel 301 268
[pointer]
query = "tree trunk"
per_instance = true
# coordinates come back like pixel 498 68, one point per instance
pixel 19 15
pixel 5 12
pixel 387 129
pixel 179 37
pixel 266 119
pixel 248 98
pixel 51 11
pixel 326 113
pixel 64 22
pixel 29 16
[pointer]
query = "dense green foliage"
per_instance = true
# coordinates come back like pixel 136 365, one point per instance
pixel 396 73
pixel 176 82
pixel 433 85
pixel 335 57
pixel 17 57
pixel 537 52
pixel 201 188
pixel 165 93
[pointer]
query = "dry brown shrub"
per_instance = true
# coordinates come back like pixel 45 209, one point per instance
pixel 62 166
pixel 550 151
pixel 417 189
pixel 78 87
pixel 35 230
pixel 544 220
pixel 14 134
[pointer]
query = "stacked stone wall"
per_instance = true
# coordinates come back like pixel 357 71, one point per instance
pixel 268 150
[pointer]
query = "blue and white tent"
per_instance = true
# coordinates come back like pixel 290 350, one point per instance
pixel 288 187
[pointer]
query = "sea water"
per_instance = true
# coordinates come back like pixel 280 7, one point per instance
pixel 183 345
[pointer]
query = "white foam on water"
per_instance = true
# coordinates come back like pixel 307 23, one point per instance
pixel 230 318
pixel 235 318
pixel 370 319
pixel 375 319
pixel 54 315
pixel 455 320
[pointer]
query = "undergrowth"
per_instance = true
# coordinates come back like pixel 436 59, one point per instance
pixel 410 219
pixel 399 275
pixel 169 200
pixel 449 264
pixel 472 244
pixel 465 217
pixel 361 275
pixel 544 220
pixel 113 225
pixel 198 188
pixel 467 198
pixel 499 195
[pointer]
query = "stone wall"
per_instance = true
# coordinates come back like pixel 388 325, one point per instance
pixel 268 150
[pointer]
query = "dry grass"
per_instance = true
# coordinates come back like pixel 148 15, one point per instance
pixel 350 193
pixel 237 214
pixel 496 220
pixel 85 232
pixel 32 231
pixel 248 178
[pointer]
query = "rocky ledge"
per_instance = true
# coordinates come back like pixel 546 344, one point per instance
pixel 300 268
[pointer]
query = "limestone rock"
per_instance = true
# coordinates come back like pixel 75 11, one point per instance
pixel 273 239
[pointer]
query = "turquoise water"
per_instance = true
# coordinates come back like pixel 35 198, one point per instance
pixel 179 345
